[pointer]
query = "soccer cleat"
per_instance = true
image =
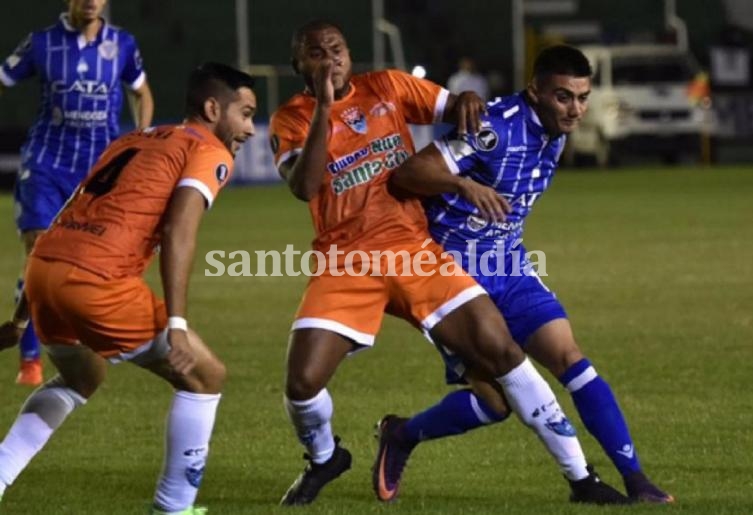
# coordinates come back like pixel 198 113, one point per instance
pixel 193 510
pixel 30 372
pixel 315 476
pixel 640 489
pixel 592 490
pixel 391 458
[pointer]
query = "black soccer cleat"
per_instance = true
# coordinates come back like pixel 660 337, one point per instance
pixel 315 476
pixel 641 489
pixel 592 490
pixel 391 458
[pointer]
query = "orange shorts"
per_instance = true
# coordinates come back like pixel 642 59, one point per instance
pixel 113 317
pixel 354 305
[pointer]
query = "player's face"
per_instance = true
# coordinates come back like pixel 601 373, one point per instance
pixel 319 46
pixel 560 101
pixel 86 10
pixel 236 122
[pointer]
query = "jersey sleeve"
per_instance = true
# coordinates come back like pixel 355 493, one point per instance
pixel 422 101
pixel 287 135
pixel 20 64
pixel 133 68
pixel 467 152
pixel 208 170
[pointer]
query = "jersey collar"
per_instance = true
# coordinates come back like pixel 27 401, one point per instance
pixel 80 39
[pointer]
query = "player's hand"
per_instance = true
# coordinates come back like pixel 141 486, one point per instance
pixel 324 89
pixel 491 205
pixel 469 107
pixel 181 356
pixel 10 334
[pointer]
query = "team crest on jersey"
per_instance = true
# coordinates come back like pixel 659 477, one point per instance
pixel 355 119
pixel 487 139
pixel 108 50
pixel 221 172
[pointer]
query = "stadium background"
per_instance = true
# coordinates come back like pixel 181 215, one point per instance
pixel 653 263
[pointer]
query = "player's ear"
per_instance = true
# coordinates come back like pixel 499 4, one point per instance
pixel 212 110
pixel 532 92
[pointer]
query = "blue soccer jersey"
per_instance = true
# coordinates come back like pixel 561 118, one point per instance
pixel 81 93
pixel 511 153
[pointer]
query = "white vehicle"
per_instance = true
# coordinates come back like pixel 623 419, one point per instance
pixel 639 102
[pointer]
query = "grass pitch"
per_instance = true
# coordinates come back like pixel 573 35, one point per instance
pixel 654 266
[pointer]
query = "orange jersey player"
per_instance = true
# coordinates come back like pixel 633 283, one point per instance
pixel 336 145
pixel 87 297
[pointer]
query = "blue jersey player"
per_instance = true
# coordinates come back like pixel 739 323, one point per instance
pixel 81 62
pixel 472 181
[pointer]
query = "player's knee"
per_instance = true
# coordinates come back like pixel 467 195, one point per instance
pixel 208 377
pixel 497 350
pixel 53 402
pixel 564 358
pixel 304 383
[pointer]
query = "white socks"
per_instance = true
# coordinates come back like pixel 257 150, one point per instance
pixel 42 413
pixel 534 402
pixel 189 428
pixel 311 421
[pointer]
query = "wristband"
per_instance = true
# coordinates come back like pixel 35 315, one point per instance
pixel 179 323
pixel 20 324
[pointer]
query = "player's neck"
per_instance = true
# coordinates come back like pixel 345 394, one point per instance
pixel 89 28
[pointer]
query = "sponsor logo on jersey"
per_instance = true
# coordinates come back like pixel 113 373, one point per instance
pixel 344 162
pixel 475 223
pixel 355 119
pixel 382 109
pixel 366 171
pixel 88 88
pixel 487 139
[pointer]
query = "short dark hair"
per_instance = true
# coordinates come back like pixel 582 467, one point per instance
pixel 561 60
pixel 213 80
pixel 310 26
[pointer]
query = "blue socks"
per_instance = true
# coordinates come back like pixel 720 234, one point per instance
pixel 458 412
pixel 601 415
pixel 29 345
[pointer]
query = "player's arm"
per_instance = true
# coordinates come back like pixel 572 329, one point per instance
pixel 178 245
pixel 141 103
pixel 305 172
pixel 426 173
pixel 464 111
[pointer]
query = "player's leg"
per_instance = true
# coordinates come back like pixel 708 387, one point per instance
pixel 477 333
pixel 458 412
pixel 313 356
pixel 30 369
pixel 190 420
pixel 80 372
pixel 337 315
pixel 38 197
pixel 554 346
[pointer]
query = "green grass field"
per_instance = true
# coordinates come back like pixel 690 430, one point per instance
pixel 654 266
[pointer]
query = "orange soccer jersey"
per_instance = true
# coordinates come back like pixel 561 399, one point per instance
pixel 368 137
pixel 112 225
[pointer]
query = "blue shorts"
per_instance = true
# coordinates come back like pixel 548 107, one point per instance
pixel 524 301
pixel 39 195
